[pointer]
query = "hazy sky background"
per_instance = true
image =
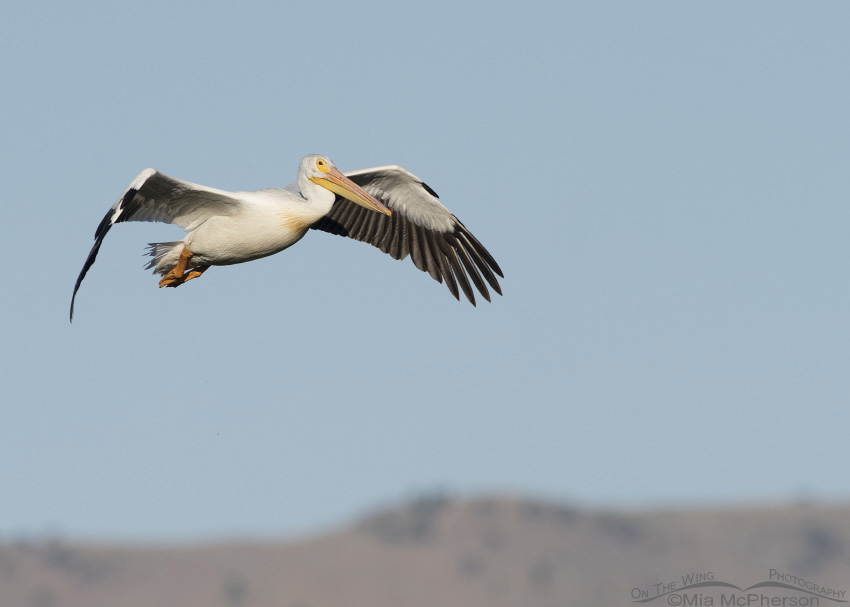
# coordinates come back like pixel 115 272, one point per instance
pixel 665 185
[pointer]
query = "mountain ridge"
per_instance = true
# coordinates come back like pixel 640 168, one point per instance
pixel 440 550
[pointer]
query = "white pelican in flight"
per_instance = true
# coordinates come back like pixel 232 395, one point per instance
pixel 387 206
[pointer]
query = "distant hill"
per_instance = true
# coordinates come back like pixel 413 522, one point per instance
pixel 441 552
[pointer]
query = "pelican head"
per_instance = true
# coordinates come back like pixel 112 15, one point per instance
pixel 321 171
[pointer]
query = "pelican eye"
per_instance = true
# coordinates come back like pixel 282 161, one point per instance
pixel 322 165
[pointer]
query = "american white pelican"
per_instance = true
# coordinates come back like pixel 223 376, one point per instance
pixel 387 206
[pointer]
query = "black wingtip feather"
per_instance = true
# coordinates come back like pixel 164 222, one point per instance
pixel 443 263
pixel 480 262
pixel 480 249
pixel 471 271
pixel 425 253
pixel 459 274
pixel 89 262
pixel 456 255
pixel 103 227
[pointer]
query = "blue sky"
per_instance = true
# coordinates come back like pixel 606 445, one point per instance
pixel 665 186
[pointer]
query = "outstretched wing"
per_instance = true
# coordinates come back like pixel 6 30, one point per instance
pixel 153 196
pixel 437 242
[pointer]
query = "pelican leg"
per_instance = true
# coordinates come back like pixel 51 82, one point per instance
pixel 195 273
pixel 176 282
pixel 176 274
